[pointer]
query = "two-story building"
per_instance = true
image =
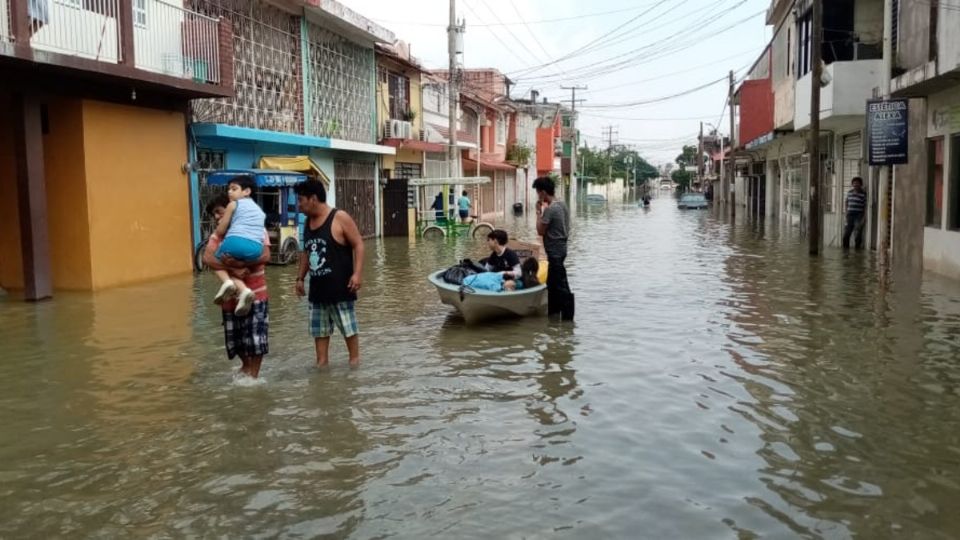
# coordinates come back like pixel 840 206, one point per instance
pixel 926 207
pixel 777 157
pixel 94 191
pixel 306 99
pixel 400 111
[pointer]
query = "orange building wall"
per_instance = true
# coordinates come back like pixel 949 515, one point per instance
pixel 138 195
pixel 68 223
pixel 11 263
pixel 544 150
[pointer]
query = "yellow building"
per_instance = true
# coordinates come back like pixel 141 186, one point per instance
pixel 400 115
pixel 93 192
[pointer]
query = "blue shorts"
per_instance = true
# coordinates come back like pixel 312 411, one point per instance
pixel 241 249
pixel 464 214
pixel 325 318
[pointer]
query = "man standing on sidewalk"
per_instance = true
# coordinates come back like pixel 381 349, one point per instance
pixel 553 224
pixel 856 210
pixel 333 259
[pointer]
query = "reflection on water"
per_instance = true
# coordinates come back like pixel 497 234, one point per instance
pixel 717 383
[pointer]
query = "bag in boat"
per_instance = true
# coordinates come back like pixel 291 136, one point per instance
pixel 456 273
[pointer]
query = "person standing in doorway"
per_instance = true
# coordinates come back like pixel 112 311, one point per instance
pixel 464 206
pixel 333 260
pixel 856 210
pixel 553 224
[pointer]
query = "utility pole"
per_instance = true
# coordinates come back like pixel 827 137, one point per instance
pixel 453 92
pixel 729 177
pixel 574 180
pixel 815 217
pixel 609 133
pixel 884 180
pixel 700 157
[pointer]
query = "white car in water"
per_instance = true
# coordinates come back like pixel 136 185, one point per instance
pixel 692 201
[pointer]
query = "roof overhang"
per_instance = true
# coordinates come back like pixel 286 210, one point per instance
pixel 224 131
pixel 343 20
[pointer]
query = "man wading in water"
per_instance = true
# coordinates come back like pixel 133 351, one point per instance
pixel 333 258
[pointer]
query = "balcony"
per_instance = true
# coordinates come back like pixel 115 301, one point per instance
pixel 851 85
pixel 152 41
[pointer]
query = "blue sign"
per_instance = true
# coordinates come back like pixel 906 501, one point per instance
pixel 887 130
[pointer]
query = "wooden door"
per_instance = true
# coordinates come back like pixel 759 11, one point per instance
pixel 395 203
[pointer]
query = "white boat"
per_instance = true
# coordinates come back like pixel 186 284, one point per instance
pixel 476 305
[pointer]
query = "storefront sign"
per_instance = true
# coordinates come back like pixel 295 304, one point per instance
pixel 760 141
pixel 887 122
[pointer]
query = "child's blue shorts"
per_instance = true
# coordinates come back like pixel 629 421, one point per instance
pixel 241 249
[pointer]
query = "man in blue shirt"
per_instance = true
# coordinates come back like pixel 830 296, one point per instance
pixel 856 210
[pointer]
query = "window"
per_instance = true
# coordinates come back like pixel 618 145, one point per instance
pixel 789 43
pixel 140 13
pixel 953 222
pixel 804 25
pixel 935 182
pixel 501 130
pixel 399 87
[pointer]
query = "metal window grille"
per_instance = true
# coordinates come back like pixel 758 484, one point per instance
pixel 340 89
pixel 267 66
pixel 209 160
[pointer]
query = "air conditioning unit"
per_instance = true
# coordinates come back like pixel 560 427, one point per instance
pixel 399 129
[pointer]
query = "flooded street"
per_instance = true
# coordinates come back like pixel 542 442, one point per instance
pixel 717 383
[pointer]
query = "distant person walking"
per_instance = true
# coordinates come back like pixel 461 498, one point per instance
pixel 856 211
pixel 333 259
pixel 464 206
pixel 553 224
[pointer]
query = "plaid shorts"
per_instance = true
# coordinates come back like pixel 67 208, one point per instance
pixel 247 336
pixel 325 317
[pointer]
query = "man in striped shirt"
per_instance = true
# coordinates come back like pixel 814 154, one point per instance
pixel 856 209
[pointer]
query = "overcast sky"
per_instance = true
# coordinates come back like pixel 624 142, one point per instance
pixel 628 53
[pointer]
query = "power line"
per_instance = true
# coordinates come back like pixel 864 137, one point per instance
pixel 675 43
pixel 518 23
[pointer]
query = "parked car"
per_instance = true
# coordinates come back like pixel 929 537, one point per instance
pixel 596 198
pixel 692 201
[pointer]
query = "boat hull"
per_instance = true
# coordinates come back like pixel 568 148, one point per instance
pixel 478 306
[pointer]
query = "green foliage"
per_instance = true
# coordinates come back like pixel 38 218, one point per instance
pixel 519 154
pixel 682 178
pixel 688 157
pixel 619 162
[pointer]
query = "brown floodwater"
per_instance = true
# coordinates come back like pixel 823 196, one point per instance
pixel 717 383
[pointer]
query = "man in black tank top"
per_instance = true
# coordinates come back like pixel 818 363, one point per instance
pixel 332 260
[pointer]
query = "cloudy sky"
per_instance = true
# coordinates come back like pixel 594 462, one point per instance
pixel 634 56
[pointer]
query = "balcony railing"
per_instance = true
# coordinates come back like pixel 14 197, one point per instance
pixel 174 41
pixel 156 36
pixel 84 28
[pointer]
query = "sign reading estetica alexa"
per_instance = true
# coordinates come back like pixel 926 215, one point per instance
pixel 887 121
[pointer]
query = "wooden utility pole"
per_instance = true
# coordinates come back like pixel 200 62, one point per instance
pixel 815 215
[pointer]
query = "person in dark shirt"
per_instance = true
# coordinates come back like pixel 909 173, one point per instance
pixel 856 210
pixel 502 258
pixel 553 224
pixel 332 259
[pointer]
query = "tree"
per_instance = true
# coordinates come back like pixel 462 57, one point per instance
pixel 682 178
pixel 688 157
pixel 618 162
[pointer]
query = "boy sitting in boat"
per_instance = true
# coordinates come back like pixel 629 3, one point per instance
pixel 502 258
pixel 506 281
